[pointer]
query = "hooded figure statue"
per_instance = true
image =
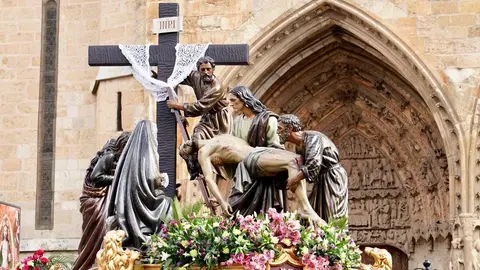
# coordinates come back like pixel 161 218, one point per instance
pixel 93 201
pixel 137 201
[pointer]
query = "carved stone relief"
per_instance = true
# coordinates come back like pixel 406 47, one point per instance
pixel 386 202
pixel 457 262
pixel 378 210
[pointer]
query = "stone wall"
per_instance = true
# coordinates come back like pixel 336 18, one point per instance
pixel 19 77
pixel 79 127
pixel 445 35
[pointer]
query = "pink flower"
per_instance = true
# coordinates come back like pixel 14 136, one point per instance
pixel 314 262
pixel 39 252
pixel 252 260
pixel 44 260
pixel 338 267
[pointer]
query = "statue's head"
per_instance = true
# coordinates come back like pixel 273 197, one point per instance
pixel 206 67
pixel 241 97
pixel 5 229
pixel 188 148
pixel 287 124
pixel 120 144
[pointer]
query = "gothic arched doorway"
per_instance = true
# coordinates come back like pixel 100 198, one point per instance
pixel 382 108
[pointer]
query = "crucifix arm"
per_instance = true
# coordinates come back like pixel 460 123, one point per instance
pixel 111 55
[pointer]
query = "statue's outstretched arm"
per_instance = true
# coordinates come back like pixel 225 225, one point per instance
pixel 205 103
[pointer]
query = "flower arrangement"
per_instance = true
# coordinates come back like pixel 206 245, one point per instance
pixel 250 241
pixel 206 240
pixel 328 246
pixel 38 261
pixel 34 262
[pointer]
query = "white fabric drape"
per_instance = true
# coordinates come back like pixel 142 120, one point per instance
pixel 187 56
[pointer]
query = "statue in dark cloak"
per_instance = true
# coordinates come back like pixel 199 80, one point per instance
pixel 136 201
pixel 98 179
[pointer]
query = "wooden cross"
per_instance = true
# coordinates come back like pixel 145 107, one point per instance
pixel 163 56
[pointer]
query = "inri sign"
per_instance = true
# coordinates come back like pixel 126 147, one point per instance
pixel 167 25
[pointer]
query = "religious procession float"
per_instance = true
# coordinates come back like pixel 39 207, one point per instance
pixel 130 220
pixel 269 240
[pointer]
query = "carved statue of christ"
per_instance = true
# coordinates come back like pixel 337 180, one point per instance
pixel 252 162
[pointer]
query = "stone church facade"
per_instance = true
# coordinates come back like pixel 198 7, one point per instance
pixel 394 83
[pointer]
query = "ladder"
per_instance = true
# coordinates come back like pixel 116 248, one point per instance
pixel 200 179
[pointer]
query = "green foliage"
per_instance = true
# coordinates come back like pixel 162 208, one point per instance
pixel 183 211
pixel 62 260
pixel 339 223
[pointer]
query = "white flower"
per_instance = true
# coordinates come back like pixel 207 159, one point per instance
pixel 216 224
pixel 342 256
pixel 275 240
pixel 164 256
pixel 193 253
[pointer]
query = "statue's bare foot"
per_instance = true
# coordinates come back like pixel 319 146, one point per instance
pixel 319 221
pixel 313 217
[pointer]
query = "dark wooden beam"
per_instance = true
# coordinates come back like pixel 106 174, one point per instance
pixel 166 122
pixel 111 55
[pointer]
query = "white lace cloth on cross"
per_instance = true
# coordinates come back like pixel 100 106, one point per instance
pixel 187 56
